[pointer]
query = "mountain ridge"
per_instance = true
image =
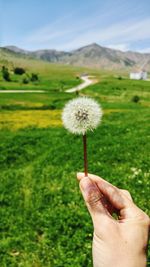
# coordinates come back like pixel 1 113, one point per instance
pixel 92 55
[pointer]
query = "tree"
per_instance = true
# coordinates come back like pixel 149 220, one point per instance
pixel 19 71
pixel 5 74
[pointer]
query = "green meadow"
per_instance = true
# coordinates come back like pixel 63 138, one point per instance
pixel 43 221
pixel 51 77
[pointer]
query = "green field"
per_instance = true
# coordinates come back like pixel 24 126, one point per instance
pixel 51 77
pixel 44 222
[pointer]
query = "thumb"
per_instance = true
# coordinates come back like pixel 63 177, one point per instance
pixel 94 200
pixel 119 199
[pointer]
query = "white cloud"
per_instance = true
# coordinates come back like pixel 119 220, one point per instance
pixel 144 50
pixel 62 27
pixel 126 32
pixel 47 32
pixel 68 28
pixel 122 47
pixel 67 33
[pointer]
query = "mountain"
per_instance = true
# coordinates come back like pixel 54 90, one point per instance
pixel 92 55
pixel 16 49
pixel 50 55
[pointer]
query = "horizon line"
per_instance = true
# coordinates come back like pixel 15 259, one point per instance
pixel 69 51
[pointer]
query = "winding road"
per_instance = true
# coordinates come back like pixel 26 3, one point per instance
pixel 86 82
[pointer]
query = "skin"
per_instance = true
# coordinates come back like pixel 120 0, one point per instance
pixel 118 242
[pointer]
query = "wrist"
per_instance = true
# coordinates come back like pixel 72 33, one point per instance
pixel 104 256
pixel 132 260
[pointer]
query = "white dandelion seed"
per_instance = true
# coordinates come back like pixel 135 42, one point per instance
pixel 81 115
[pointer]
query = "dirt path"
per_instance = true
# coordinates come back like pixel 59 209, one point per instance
pixel 86 82
pixel 23 91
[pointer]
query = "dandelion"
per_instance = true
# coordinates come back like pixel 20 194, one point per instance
pixel 81 115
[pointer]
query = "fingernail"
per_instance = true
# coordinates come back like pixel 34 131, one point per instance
pixel 80 175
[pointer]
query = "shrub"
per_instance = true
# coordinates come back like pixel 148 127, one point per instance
pixel 25 80
pixel 5 74
pixel 34 77
pixel 135 99
pixel 19 71
pixel 77 92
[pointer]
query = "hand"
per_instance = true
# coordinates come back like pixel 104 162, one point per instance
pixel 116 243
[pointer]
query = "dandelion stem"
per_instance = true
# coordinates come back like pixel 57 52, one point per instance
pixel 85 155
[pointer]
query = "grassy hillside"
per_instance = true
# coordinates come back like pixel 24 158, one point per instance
pixel 51 76
pixel 44 222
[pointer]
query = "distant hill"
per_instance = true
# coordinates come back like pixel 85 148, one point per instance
pixel 92 55
pixel 16 49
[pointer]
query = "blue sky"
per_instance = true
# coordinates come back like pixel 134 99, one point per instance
pixel 70 24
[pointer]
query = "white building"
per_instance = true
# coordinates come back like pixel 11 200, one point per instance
pixel 139 75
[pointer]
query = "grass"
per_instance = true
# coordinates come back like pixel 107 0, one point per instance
pixel 22 119
pixel 52 77
pixel 44 222
pixel 28 101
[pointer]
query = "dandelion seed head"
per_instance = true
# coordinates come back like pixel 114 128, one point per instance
pixel 81 115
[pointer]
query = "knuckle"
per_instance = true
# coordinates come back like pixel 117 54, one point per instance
pixel 126 193
pixel 146 219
